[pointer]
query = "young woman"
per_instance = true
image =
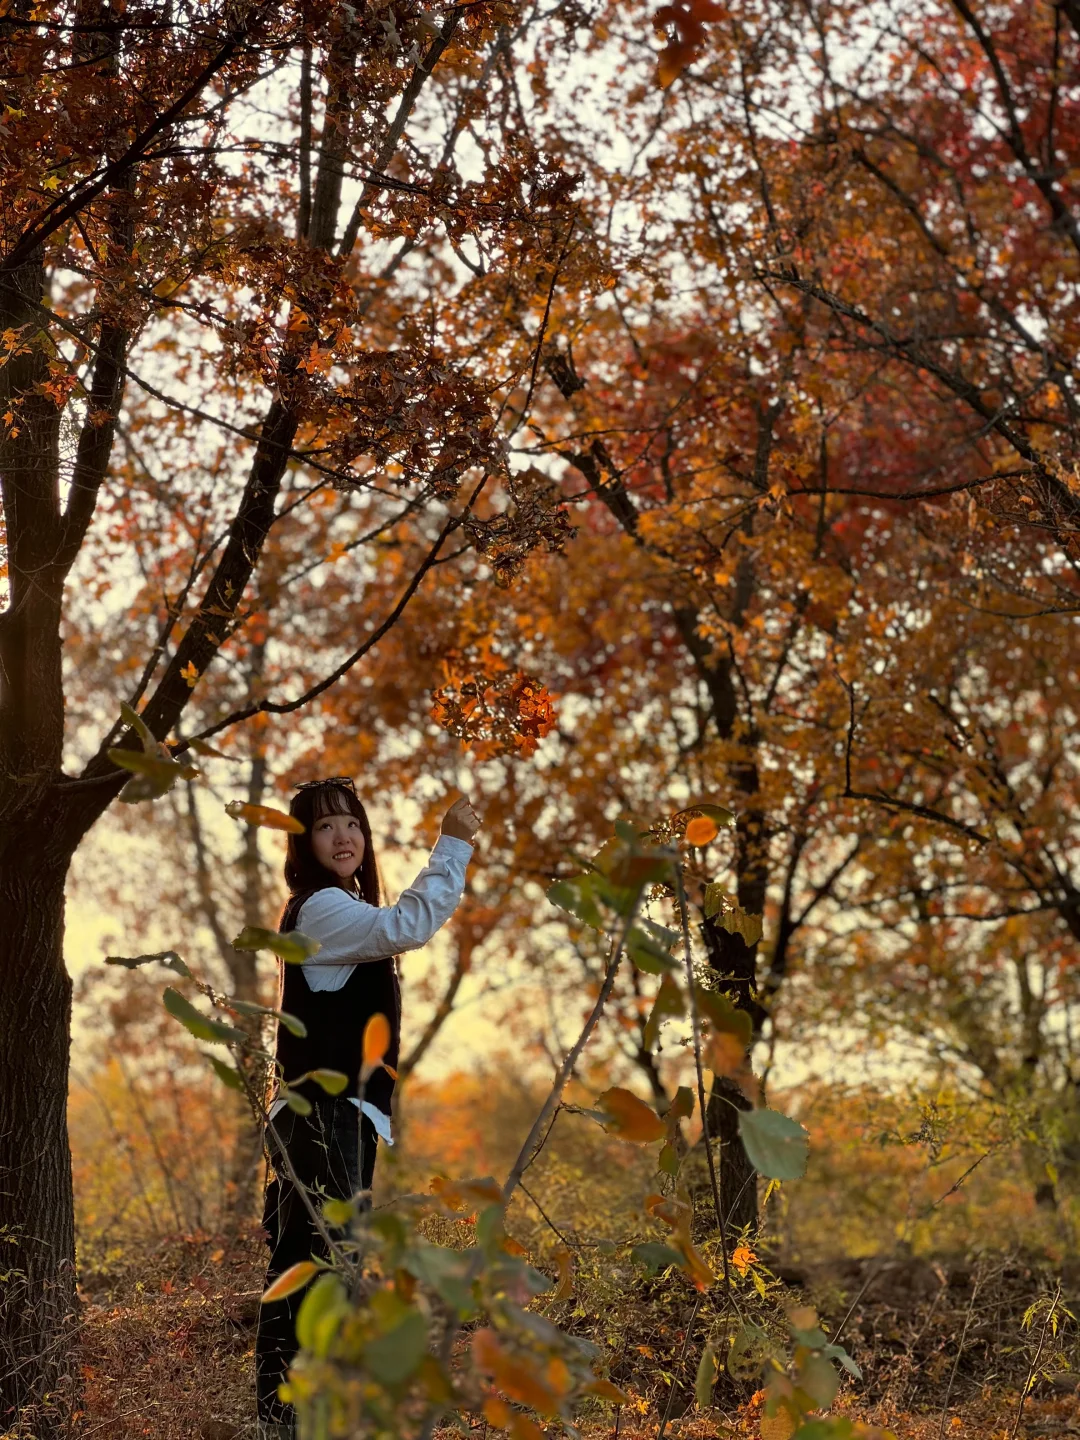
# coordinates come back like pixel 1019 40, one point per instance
pixel 335 897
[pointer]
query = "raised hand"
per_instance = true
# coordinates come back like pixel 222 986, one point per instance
pixel 461 821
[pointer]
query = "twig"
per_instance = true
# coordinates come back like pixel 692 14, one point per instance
pixel 956 1362
pixel 566 1069
pixel 548 1220
pixel 1035 1363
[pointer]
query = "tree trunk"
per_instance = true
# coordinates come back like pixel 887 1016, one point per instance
pixel 246 1169
pixel 37 1224
pixel 735 965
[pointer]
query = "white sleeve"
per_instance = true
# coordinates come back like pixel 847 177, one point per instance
pixel 348 928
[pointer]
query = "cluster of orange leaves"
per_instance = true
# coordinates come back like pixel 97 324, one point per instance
pixel 688 19
pixel 495 714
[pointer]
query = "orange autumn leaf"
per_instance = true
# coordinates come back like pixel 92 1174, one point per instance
pixel 376 1041
pixel 628 1117
pixel 504 1417
pixel 693 1263
pixel 606 1390
pixel 496 1412
pixel 701 830
pixel 522 1428
pixel 724 1053
pixel 742 1257
pixel 516 1375
pixel 293 1279
pixel 264 816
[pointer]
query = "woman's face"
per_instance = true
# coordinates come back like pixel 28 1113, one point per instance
pixel 337 842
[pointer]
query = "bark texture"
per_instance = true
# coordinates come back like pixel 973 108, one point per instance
pixel 37 1233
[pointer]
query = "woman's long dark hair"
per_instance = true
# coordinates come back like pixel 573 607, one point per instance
pixel 303 873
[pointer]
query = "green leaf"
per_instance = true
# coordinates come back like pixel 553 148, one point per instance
pixel 138 724
pixel 841 1356
pixel 646 954
pixel 750 1349
pixel 321 1312
pixel 445 1271
pixel 332 1081
pixel 578 899
pixel 169 958
pixel 202 748
pixel 296 1102
pixel 199 1025
pixel 669 1002
pixel 723 910
pixel 392 1358
pixel 820 1381
pixel 667 938
pixel 153 773
pixel 227 1073
pixel 654 1256
pixel 627 833
pixel 291 1023
pixel 294 947
pixel 706 1378
pixel 839 1429
pixel 489 1227
pixel 777 1146
pixel 338 1212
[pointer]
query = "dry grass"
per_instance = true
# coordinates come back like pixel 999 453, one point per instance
pixel 167 1321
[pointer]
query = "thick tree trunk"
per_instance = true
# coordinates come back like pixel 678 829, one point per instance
pixel 37 1229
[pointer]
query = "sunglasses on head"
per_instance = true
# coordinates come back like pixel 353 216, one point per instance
pixel 344 782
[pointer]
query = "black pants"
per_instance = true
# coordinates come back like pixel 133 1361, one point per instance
pixel 323 1150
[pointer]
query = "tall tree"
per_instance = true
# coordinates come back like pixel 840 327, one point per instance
pixel 179 269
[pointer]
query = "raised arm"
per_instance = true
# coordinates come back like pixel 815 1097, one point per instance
pixel 350 930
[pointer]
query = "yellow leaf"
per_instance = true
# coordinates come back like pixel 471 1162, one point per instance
pixel 264 815
pixel 190 674
pixel 293 1279
pixel 605 1390
pixel 777 1427
pixel 565 1262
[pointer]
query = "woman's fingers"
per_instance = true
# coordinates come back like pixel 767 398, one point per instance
pixel 461 820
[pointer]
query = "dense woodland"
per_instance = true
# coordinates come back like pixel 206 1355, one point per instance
pixel 662 424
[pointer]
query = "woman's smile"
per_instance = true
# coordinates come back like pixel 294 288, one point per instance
pixel 337 842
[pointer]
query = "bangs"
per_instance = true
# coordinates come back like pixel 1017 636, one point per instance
pixel 334 800
pixel 303 873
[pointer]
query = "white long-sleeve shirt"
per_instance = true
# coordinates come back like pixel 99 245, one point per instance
pixel 348 928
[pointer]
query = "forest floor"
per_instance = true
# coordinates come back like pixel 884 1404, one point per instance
pixel 167 1337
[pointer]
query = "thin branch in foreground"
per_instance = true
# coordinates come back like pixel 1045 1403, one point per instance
pixel 695 1020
